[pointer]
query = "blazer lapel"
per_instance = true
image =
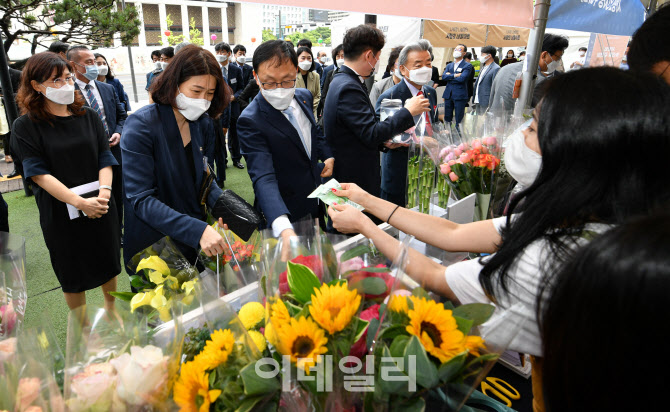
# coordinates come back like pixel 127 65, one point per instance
pixel 76 86
pixel 197 152
pixel 176 144
pixel 310 115
pixel 277 120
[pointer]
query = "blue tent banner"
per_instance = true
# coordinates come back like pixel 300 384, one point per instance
pixel 618 17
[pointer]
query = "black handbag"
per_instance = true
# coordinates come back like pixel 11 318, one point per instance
pixel 239 215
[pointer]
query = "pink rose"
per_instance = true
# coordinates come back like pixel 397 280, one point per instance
pixel 457 152
pixel 445 152
pixel 7 349
pixel 490 141
pixel 476 144
pixel 7 319
pixel 462 147
pixel 27 392
pixel 465 158
pixel 359 348
pixel 450 156
pixel 452 162
pixel 453 176
pixel 445 169
pixel 351 264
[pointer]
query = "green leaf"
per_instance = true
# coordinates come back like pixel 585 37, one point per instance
pixel 450 370
pixel 426 372
pixel 372 326
pixel 370 286
pixel 411 405
pixel 375 270
pixel 303 313
pixel 392 386
pixel 392 331
pixel 248 404
pixel 483 359
pixel 337 282
pixel 302 281
pixel 361 327
pixel 293 310
pixel 478 313
pixel 464 325
pixel 420 293
pixel 125 296
pixel 138 282
pixel 355 252
pixel 256 385
pixel 398 345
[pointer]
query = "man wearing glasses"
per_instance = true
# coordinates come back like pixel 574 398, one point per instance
pixel 280 141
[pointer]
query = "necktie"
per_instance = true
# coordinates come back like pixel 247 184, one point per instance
pixel 289 113
pixel 93 102
pixel 225 72
pixel 429 127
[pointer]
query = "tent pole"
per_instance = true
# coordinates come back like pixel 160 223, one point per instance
pixel 533 51
pixel 130 60
pixel 652 7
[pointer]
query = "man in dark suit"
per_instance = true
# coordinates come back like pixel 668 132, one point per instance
pixel 102 98
pixel 236 82
pixel 416 68
pixel 156 60
pixel 487 73
pixel 281 142
pixel 351 128
pixel 240 53
pixel 455 94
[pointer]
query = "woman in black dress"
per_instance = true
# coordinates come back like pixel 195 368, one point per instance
pixel 63 145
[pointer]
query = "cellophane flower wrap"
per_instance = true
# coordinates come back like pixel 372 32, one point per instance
pixel 239 265
pixel 316 316
pixel 421 167
pixel 117 361
pixel 431 355
pixel 163 279
pixel 13 295
pixel 220 355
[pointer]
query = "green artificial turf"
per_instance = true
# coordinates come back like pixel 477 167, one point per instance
pixel 45 299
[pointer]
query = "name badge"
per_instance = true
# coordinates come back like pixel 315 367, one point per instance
pixel 232 81
pixel 459 70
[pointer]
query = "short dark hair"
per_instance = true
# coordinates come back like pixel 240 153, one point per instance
pixel 58 47
pixel 223 46
pixel 305 43
pixel 468 56
pixel 156 53
pixel 109 75
pixel 335 52
pixel 305 49
pixel 393 57
pixel 277 51
pixel 360 39
pixel 73 52
pixel 291 43
pixel 489 50
pixel 553 43
pixel 513 54
pixel 582 48
pixel 522 53
pixel 650 42
pixel 465 48
pixel 239 47
pixel 191 61
pixel 167 51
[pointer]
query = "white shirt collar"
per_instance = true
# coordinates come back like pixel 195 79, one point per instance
pixel 83 85
pixel 412 89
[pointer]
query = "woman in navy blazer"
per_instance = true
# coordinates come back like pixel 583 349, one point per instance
pixel 165 147
pixel 105 75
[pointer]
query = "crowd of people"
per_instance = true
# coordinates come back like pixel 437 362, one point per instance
pixel 105 180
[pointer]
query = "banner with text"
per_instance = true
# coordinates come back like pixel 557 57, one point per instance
pixel 606 50
pixel 618 17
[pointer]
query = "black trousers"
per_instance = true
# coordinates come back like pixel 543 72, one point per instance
pixel 5 143
pixel 117 192
pixel 233 141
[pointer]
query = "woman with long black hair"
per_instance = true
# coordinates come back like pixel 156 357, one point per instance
pixel 587 163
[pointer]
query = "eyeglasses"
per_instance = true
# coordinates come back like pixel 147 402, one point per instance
pixel 58 83
pixel 288 84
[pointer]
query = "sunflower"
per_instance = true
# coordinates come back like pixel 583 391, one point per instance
pixel 191 391
pixel 251 314
pixel 334 306
pixel 270 334
pixel 474 344
pixel 258 339
pixel 398 303
pixel 216 350
pixel 303 341
pixel 278 313
pixel 436 328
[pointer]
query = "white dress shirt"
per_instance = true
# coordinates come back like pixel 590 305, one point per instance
pixel 456 64
pixel 282 222
pixel 96 94
pixel 481 76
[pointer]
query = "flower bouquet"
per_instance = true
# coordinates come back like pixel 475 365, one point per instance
pixel 240 263
pixel 420 166
pixel 114 363
pixel 162 277
pixel 13 295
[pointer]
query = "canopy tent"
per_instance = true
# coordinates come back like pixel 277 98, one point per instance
pixel 617 17
pixel 451 34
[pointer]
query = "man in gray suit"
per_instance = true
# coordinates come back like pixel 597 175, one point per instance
pixel 489 70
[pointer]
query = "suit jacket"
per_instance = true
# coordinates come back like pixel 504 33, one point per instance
pixel 394 162
pixel 313 85
pixel 457 87
pixel 379 88
pixel 247 73
pixel 161 198
pixel 326 70
pixel 123 96
pixel 353 132
pixel 249 93
pixel 15 79
pixel 236 82
pixel 485 83
pixel 318 67
pixel 115 113
pixel 282 173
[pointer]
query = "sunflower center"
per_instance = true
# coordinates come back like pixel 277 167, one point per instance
pixel 333 311
pixel 302 346
pixel 432 332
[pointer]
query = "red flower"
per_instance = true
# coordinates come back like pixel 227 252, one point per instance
pixel 313 262
pixel 361 274
pixel 359 348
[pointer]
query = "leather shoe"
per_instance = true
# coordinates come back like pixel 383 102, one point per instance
pixel 239 165
pixel 13 174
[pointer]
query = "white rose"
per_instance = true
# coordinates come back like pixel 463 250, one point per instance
pixel 142 375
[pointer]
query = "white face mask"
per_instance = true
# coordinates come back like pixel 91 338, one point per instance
pixel 397 73
pixel 421 76
pixel 458 54
pixel 164 65
pixel 552 66
pixel 522 58
pixel 64 95
pixel 582 54
pixel 322 59
pixel 159 66
pixel 483 58
pixel 339 62
pixel 375 68
pixel 305 65
pixel 191 108
pixel 278 98
pixel 103 70
pixel 221 58
pixel 241 59
pixel 522 163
